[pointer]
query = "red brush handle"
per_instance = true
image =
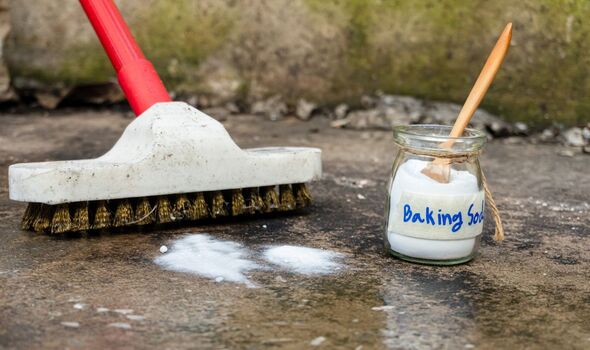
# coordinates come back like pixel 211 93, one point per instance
pixel 138 78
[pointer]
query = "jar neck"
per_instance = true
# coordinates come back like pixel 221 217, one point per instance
pixel 443 153
pixel 434 141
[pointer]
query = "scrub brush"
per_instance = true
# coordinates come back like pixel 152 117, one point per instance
pixel 173 163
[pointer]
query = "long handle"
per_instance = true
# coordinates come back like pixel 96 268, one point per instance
pixel 138 78
pixel 483 82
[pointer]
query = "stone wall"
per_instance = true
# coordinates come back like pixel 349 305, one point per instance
pixel 326 51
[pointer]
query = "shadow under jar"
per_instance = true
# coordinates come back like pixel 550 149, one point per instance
pixel 427 221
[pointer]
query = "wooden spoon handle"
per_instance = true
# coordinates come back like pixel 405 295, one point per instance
pixel 483 82
pixel 439 169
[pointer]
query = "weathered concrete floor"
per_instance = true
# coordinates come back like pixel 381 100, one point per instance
pixel 532 291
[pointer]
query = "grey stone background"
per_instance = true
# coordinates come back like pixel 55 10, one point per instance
pixel 325 52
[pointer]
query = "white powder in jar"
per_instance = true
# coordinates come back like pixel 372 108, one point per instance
pixel 409 179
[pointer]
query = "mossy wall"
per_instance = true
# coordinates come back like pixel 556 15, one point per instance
pixel 329 51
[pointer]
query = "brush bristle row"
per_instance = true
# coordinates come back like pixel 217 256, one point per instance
pixel 144 213
pixel 183 208
pixel 31 213
pixel 255 202
pixel 200 207
pixel 164 210
pixel 102 219
pixel 286 198
pixel 105 214
pixel 238 203
pixel 81 219
pixel 43 221
pixel 123 214
pixel 270 199
pixel 61 221
pixel 302 195
pixel 218 205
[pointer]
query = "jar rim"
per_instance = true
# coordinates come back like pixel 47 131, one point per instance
pixel 430 138
pixel 417 130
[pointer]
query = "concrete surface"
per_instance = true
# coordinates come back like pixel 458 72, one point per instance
pixel 530 292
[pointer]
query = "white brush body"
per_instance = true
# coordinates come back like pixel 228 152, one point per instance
pixel 171 148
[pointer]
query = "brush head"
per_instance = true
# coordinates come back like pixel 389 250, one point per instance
pixel 172 148
pixel 172 163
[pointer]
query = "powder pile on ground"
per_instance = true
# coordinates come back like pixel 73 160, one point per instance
pixel 203 255
pixel 307 261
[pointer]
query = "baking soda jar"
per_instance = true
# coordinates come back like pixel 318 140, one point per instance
pixel 428 221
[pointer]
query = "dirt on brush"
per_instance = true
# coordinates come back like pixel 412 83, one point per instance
pixel 531 291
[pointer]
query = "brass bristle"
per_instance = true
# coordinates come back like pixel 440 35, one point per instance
pixel 200 208
pixel 271 199
pixel 238 203
pixel 287 199
pixel 144 214
pixel 31 213
pixel 164 210
pixel 81 220
pixel 302 195
pixel 183 209
pixel 255 202
pixel 123 214
pixel 43 220
pixel 218 207
pixel 102 218
pixel 61 221
pixel 57 219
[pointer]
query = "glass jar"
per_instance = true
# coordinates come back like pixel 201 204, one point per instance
pixel 428 221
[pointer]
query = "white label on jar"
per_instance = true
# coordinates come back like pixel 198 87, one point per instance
pixel 443 217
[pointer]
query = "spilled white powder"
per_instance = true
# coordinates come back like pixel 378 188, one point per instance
pixel 204 256
pixel 307 261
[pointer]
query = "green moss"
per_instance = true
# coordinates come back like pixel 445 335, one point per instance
pixel 80 64
pixel 86 64
pixel 178 37
pixel 356 63
pixel 432 49
pixel 435 49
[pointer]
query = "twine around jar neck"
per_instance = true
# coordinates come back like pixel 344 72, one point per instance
pixel 462 158
pixel 455 157
pixel 499 231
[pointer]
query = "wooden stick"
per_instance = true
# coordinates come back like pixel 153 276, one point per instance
pixel 483 82
pixel 439 168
